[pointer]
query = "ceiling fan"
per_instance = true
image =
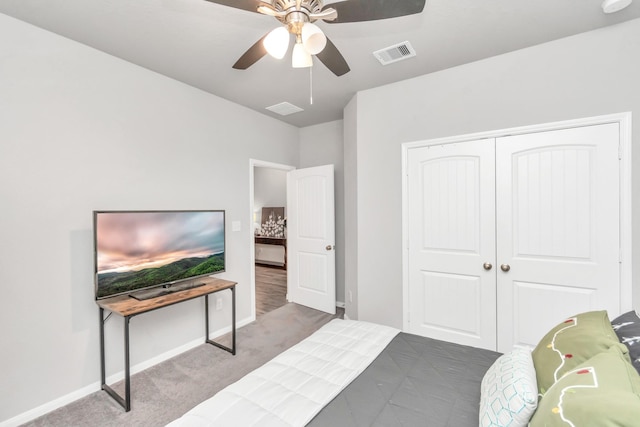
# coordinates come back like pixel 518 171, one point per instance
pixel 298 17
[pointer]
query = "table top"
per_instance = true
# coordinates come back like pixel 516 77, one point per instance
pixel 126 306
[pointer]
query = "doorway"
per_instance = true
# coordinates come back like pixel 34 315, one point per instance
pixel 309 235
pixel 269 243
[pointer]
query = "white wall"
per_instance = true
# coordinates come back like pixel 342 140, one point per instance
pixel 81 130
pixel 586 75
pixel 322 145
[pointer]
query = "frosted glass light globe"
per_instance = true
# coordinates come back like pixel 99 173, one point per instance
pixel 300 58
pixel 277 42
pixel 313 39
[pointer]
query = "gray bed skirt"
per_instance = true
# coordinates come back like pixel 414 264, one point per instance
pixel 415 381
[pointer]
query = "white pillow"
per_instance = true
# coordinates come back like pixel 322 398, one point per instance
pixel 509 391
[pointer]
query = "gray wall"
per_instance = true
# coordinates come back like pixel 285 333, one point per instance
pixel 322 145
pixel 586 75
pixel 81 130
pixel 269 189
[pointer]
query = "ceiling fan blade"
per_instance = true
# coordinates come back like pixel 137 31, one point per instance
pixel 267 9
pixel 252 55
pixel 250 5
pixel 327 14
pixel 372 10
pixel 333 59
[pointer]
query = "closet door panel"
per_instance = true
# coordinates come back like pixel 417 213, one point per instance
pixel 530 297
pixel 434 303
pixel 452 234
pixel 557 196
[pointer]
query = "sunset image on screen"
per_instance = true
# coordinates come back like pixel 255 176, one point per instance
pixel 141 249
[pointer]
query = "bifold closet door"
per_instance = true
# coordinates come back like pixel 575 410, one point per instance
pixel 557 198
pixel 508 235
pixel 451 206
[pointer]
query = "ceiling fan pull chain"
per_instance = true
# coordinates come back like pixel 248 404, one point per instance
pixel 310 85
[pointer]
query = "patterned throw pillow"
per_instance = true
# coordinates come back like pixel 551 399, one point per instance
pixel 509 394
pixel 603 392
pixel 627 327
pixel 572 342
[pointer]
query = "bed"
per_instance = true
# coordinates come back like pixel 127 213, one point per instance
pixel 352 373
pixel 415 381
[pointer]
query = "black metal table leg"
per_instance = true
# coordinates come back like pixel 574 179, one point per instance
pixel 231 349
pixel 233 320
pixel 102 367
pixel 127 370
pixel 206 318
pixel 126 401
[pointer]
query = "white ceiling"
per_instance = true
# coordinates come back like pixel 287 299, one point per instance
pixel 197 42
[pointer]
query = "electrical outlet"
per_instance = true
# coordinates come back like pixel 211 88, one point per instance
pixel 350 296
pixel 218 303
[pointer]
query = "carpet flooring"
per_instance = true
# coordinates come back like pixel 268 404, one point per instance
pixel 164 392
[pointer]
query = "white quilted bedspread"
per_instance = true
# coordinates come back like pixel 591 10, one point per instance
pixel 293 387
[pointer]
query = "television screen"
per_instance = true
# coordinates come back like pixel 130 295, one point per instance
pixel 135 250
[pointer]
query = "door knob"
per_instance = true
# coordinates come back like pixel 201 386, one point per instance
pixel 329 247
pixel 487 266
pixel 505 267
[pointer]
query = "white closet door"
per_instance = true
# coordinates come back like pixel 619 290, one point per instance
pixel 557 196
pixel 451 235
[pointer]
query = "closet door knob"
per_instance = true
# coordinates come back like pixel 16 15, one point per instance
pixel 505 267
pixel 487 266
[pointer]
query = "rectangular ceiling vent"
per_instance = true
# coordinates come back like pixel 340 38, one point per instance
pixel 395 53
pixel 284 108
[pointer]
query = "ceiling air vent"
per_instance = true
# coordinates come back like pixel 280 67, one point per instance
pixel 284 109
pixel 395 53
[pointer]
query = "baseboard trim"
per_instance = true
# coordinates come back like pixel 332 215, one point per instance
pixel 34 413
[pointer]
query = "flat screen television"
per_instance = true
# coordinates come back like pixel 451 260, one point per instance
pixel 137 250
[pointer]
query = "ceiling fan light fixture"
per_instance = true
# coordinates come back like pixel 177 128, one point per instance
pixel 612 6
pixel 313 39
pixel 300 57
pixel 277 42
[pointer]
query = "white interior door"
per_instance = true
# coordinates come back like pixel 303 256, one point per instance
pixel 311 238
pixel 558 229
pixel 451 228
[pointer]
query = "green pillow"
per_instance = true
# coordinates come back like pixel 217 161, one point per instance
pixel 604 391
pixel 572 342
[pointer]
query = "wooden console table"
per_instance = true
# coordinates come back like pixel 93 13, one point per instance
pixel 128 307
